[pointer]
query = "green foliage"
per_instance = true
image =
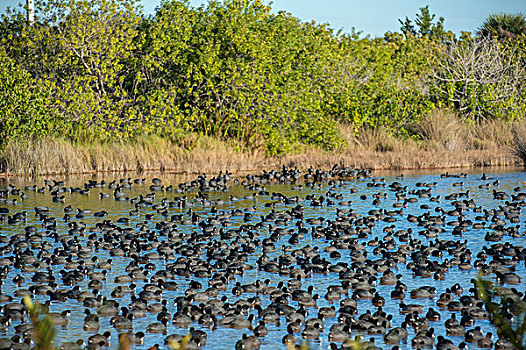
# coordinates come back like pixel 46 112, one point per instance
pixel 512 330
pixel 504 25
pixel 236 71
pixel 380 84
pixel 206 61
pixel 44 332
pixel 22 103
pixel 100 71
pixel 425 27
pixel 43 327
pixel 180 344
pixel 78 50
pixel 353 344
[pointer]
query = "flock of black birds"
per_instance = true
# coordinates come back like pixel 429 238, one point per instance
pixel 197 258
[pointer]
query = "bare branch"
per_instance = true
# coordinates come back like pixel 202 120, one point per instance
pixel 480 77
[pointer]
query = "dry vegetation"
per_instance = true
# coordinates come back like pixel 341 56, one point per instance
pixel 55 156
pixel 443 141
pixel 519 137
pixel 442 130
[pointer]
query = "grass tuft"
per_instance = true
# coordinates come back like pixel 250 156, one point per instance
pixel 519 141
pixel 368 139
pixel 442 130
pixel 489 135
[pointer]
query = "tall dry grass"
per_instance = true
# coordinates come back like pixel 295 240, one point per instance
pixel 415 159
pixel 519 141
pixel 368 139
pixel 441 130
pixel 444 141
pixel 444 130
pixel 56 156
pixel 490 135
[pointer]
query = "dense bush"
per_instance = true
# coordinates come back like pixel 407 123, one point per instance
pixel 237 71
pixel 99 70
pixel 22 103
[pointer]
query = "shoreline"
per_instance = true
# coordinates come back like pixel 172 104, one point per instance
pixel 214 160
pixel 488 144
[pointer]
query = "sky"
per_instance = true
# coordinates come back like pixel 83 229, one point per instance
pixel 374 17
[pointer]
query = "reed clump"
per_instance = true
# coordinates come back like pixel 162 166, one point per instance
pixel 441 130
pixel 376 139
pixel 519 141
pixel 445 130
pixel 489 134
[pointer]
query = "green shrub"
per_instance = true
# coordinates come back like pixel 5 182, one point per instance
pixel 234 70
pixel 22 103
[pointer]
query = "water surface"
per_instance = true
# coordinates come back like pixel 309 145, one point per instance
pixel 359 193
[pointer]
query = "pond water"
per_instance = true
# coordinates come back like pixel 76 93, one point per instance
pixel 353 233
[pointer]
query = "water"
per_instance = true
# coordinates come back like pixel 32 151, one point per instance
pixel 351 190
